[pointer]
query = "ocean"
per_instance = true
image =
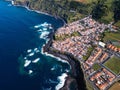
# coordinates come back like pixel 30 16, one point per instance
pixel 23 66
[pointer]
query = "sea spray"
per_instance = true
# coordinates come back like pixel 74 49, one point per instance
pixel 61 79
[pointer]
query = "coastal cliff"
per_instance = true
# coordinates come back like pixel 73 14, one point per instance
pixel 71 10
pixel 75 79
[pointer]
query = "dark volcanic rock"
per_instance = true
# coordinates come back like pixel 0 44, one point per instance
pixel 75 79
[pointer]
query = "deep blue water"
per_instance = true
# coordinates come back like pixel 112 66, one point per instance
pixel 20 37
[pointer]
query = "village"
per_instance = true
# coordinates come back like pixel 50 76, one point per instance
pixel 94 54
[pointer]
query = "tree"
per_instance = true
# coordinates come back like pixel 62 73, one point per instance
pixel 99 10
pixel 116 10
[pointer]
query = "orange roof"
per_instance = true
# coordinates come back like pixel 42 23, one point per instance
pixel 109 46
pixel 103 86
pixel 98 53
pixel 112 47
pixel 103 56
pixel 116 49
pixel 119 49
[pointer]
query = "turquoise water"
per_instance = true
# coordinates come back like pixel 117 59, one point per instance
pixel 22 64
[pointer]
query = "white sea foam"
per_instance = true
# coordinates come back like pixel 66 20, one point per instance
pixel 27 63
pixel 31 54
pixel 30 71
pixel 36 60
pixel 29 50
pixel 50 27
pixel 35 49
pixel 45 29
pixel 52 69
pixel 59 59
pixel 37 26
pixel 62 79
pixel 12 2
pixel 25 57
pixel 47 40
pixel 44 35
pixel 39 30
pixel 66 70
pixel 45 24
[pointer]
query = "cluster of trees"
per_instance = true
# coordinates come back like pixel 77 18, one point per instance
pixel 116 10
pixel 71 10
pixel 101 9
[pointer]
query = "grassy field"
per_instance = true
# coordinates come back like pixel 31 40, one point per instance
pixel 90 49
pixel 89 86
pixel 117 24
pixel 115 86
pixel 86 1
pixel 112 36
pixel 96 66
pixel 65 36
pixel 113 64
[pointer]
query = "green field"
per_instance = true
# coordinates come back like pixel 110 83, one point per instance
pixel 96 66
pixel 65 36
pixel 113 64
pixel 109 14
pixel 89 51
pixel 115 86
pixel 115 37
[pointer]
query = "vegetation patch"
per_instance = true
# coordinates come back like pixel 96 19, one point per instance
pixel 117 24
pixel 65 36
pixel 86 1
pixel 111 36
pixel 96 66
pixel 89 86
pixel 115 86
pixel 89 51
pixel 71 10
pixel 113 64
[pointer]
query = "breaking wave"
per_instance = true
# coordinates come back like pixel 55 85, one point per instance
pixel 61 79
pixel 43 30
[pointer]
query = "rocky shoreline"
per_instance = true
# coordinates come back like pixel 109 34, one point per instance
pixel 75 79
pixel 13 2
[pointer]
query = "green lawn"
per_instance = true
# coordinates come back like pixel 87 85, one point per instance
pixel 112 36
pixel 89 51
pixel 113 64
pixel 117 24
pixel 89 86
pixel 96 66
pixel 86 1
pixel 65 36
pixel 90 1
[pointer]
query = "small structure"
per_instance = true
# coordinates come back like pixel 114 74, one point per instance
pixel 102 44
